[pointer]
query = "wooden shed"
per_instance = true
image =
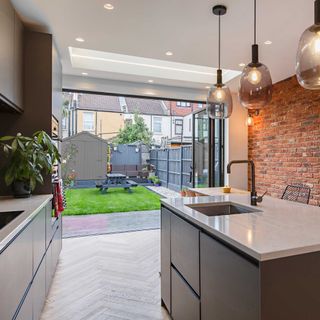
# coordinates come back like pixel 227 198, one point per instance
pixel 86 155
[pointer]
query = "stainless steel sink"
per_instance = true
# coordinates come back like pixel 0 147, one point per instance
pixel 220 209
pixel 7 217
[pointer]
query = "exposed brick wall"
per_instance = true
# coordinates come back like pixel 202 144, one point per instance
pixel 285 140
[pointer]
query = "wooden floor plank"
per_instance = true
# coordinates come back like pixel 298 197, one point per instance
pixel 108 277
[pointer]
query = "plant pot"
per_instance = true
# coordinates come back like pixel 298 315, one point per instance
pixel 183 193
pixel 21 189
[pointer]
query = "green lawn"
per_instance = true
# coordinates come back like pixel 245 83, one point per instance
pixel 90 201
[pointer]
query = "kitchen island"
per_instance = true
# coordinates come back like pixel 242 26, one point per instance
pixel 30 244
pixel 252 263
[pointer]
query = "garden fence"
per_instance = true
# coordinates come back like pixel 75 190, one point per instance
pixel 173 166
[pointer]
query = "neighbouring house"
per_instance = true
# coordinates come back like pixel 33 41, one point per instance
pixel 104 115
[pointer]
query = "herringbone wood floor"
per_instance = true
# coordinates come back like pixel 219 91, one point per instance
pixel 110 277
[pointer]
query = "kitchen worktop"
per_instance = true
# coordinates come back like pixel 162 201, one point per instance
pixel 278 229
pixel 30 207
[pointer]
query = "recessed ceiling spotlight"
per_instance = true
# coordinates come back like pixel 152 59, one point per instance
pixel 149 93
pixel 207 87
pixel 79 39
pixel 84 73
pixel 150 81
pixel 242 64
pixel 108 6
pixel 268 42
pixel 169 53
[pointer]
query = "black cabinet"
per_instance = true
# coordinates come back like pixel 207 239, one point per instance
pixel 185 303
pixel 229 283
pixel 166 258
pixel 185 251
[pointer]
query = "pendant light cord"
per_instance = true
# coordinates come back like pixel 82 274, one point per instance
pixel 219 42
pixel 255 21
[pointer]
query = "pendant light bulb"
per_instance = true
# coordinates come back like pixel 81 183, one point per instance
pixel 255 83
pixel 308 56
pixel 219 100
pixel 254 76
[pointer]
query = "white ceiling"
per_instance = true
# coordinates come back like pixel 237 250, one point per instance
pixel 150 28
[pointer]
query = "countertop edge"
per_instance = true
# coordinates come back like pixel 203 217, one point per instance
pixel 260 257
pixel 26 219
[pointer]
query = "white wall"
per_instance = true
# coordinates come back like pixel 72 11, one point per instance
pixel 237 145
pixel 187 125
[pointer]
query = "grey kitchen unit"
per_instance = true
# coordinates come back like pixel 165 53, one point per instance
pixel 205 277
pixel 27 264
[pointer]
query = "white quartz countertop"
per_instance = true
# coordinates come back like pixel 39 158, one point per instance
pixel 279 229
pixel 30 207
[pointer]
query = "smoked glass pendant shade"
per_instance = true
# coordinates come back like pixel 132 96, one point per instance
pixel 219 102
pixel 219 99
pixel 255 86
pixel 308 59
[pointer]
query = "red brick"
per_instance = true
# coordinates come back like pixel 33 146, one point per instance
pixel 285 140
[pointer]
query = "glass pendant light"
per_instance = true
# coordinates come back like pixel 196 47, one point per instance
pixel 255 83
pixel 219 100
pixel 308 57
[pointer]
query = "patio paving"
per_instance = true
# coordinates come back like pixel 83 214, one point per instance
pixel 78 226
pixel 164 192
pixel 94 224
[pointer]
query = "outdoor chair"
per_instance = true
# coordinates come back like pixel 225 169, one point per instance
pixel 297 193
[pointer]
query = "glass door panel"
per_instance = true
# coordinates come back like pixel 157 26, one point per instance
pixel 201 150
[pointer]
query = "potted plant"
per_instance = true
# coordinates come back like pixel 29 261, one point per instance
pixel 157 182
pixel 28 159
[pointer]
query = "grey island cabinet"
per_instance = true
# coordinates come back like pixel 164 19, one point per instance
pixel 206 275
pixel 29 250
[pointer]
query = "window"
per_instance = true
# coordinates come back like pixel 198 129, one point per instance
pixel 183 104
pixel 178 126
pixel 157 124
pixel 88 121
pixel 124 109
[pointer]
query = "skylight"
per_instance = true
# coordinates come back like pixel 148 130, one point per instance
pixel 151 68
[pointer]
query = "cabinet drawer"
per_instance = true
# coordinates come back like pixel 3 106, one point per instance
pixel 165 258
pixel 49 268
pixel 49 224
pixel 26 312
pixel 185 250
pixel 56 245
pixel 229 283
pixel 185 303
pixel 39 291
pixel 15 273
pixel 39 236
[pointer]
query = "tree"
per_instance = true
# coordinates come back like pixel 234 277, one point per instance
pixel 137 131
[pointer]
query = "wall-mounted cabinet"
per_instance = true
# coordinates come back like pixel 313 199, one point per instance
pixel 11 55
